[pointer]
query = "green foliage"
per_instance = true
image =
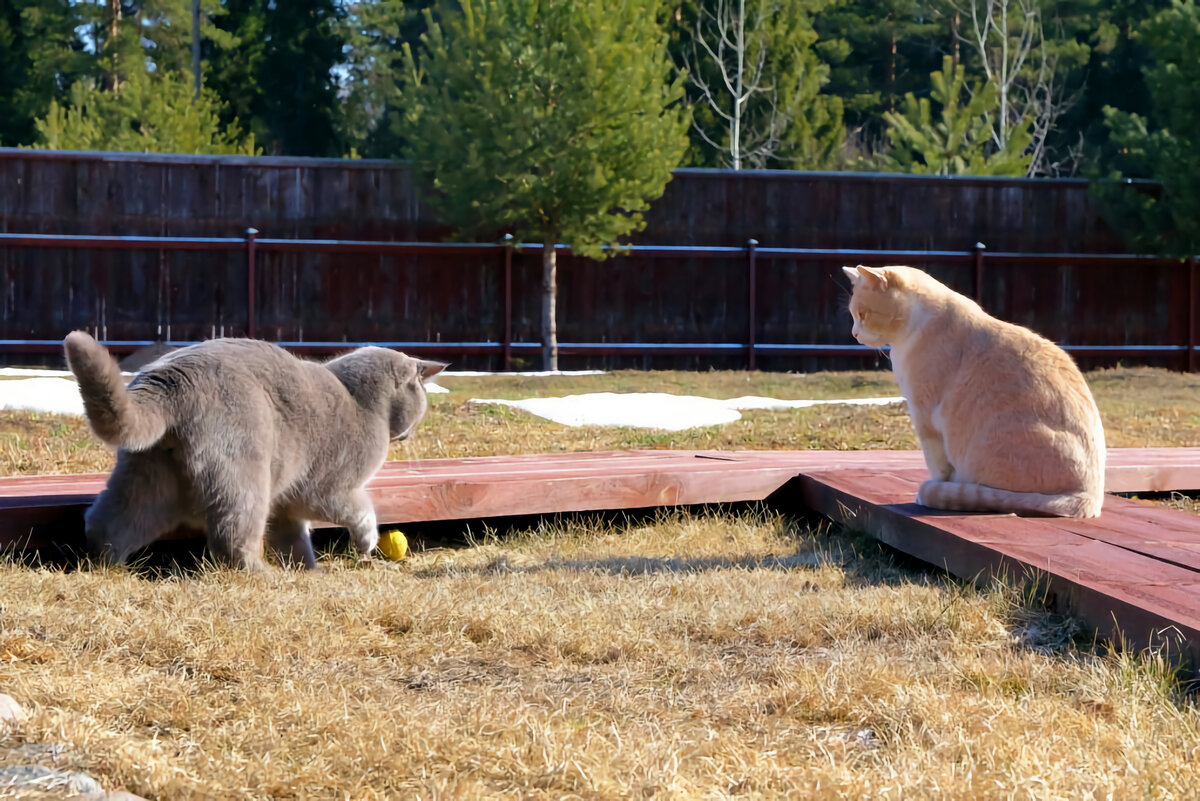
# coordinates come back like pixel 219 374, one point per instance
pixel 155 114
pixel 878 51
pixel 549 119
pixel 959 141
pixel 277 79
pixel 375 34
pixel 325 77
pixel 785 119
pixel 1165 143
pixel 1103 68
pixel 39 55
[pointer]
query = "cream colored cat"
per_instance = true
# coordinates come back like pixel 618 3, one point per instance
pixel 1004 417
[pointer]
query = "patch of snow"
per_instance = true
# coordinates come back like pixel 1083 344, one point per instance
pixel 30 372
pixel 755 402
pixel 531 374
pixel 656 409
pixel 434 389
pixel 50 395
pixel 633 409
pixel 38 372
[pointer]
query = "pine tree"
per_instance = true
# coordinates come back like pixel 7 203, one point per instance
pixel 375 32
pixel 1117 59
pixel 555 120
pixel 277 78
pixel 959 140
pixel 879 51
pixel 154 114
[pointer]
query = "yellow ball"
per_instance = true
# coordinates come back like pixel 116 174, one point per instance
pixel 393 544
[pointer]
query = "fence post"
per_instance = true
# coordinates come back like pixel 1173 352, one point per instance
pixel 251 240
pixel 752 301
pixel 979 249
pixel 508 251
pixel 1191 324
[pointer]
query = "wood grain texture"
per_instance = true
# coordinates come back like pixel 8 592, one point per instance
pixel 495 486
pixel 1133 574
pixel 306 296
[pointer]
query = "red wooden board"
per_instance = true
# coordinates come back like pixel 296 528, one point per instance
pixel 33 507
pixel 1132 574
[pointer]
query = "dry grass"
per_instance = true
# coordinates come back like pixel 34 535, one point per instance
pixel 1141 407
pixel 693 655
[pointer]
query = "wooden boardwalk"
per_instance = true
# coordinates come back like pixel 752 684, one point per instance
pixel 494 486
pixel 1133 573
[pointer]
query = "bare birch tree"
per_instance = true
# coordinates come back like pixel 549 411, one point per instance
pixel 734 46
pixel 752 70
pixel 1009 39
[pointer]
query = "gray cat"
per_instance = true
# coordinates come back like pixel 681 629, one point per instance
pixel 245 441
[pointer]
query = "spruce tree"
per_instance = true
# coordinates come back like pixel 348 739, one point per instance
pixel 879 51
pixel 148 113
pixel 553 120
pixel 1163 145
pixel 40 55
pixel 277 77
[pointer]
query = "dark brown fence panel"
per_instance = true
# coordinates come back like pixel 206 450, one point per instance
pixel 160 195
pixel 680 308
pixel 654 306
pixel 879 211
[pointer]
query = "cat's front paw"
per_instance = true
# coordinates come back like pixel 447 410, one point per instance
pixel 365 540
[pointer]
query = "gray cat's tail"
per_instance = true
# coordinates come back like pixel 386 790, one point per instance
pixel 963 497
pixel 118 417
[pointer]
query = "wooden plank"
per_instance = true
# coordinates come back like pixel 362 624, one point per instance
pixel 492 486
pixel 432 490
pixel 1120 592
pixel 1138 526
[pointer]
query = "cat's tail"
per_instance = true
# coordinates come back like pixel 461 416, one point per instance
pixel 133 421
pixel 963 497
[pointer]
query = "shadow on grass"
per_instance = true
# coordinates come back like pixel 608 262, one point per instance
pixel 642 565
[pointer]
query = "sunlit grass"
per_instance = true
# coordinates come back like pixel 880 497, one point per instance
pixel 687 655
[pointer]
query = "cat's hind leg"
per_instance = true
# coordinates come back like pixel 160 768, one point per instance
pixel 142 501
pixel 355 511
pixel 237 502
pixel 290 539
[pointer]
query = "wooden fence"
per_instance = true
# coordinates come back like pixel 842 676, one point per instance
pixel 62 192
pixel 752 324
pixel 347 253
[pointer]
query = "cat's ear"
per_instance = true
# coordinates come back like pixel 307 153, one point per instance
pixel 427 369
pixel 873 277
pixel 852 274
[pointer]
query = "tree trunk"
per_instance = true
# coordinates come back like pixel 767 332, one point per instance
pixel 196 46
pixel 891 64
pixel 110 81
pixel 549 294
pixel 954 23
